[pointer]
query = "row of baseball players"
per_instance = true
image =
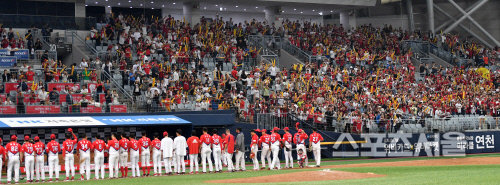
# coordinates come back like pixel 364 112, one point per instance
pixel 174 152
pixel 272 143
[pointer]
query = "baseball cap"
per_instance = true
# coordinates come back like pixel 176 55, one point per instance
pixel 13 138
pixel 37 138
pixel 297 124
pixel 223 135
pixel 300 130
pixel 26 138
pixel 276 128
pixel 53 136
pixel 257 130
pixel 263 130
pixel 165 133
pixel 70 130
pixel 0 140
pixel 286 128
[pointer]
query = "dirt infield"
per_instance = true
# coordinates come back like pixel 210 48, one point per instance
pixel 301 176
pixel 430 162
pixel 340 175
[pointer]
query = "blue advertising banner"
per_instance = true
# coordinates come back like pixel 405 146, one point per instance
pixel 4 52
pixel 24 122
pixel 7 61
pixel 22 54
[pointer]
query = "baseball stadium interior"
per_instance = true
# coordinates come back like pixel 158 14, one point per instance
pixel 271 80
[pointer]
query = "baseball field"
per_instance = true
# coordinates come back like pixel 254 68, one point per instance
pixel 472 169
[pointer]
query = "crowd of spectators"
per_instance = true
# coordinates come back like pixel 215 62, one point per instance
pixel 365 73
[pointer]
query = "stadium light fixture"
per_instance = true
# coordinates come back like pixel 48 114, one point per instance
pixel 86 5
pixel 173 3
pixel 320 13
pixel 119 3
pixel 294 9
pixel 236 6
pixel 314 10
pixel 216 5
pixel 95 2
pixel 301 12
pixel 162 5
pixel 141 4
pixel 256 7
pixel 130 7
pixel 152 2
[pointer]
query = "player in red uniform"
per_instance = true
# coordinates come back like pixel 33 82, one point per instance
pixel 29 158
pixel 98 148
pixel 84 147
pixel 156 147
pixel 145 143
pixel 194 148
pixel 275 148
pixel 13 150
pixel 254 147
pixel 264 142
pixel 3 153
pixel 300 140
pixel 113 149
pixel 315 142
pixel 216 145
pixel 229 150
pixel 39 159
pixel 53 149
pixel 69 158
pixel 134 155
pixel 206 150
pixel 123 154
pixel 287 139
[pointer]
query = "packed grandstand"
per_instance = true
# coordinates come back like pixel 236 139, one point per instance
pixel 361 79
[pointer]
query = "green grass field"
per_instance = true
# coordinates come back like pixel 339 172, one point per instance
pixel 467 174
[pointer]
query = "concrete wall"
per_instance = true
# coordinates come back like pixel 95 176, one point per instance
pixel 287 60
pixel 241 16
pixel 395 20
pixel 487 16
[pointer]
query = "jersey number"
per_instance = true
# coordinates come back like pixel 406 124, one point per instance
pixel 14 148
pixel 84 146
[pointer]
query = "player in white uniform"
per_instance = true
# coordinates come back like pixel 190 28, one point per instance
pixel 275 148
pixel 13 150
pixel 99 147
pixel 29 158
pixel 114 155
pixel 287 140
pixel 300 139
pixel 84 147
pixel 145 144
pixel 315 142
pixel 68 154
pixel 156 145
pixel 39 160
pixel 206 151
pixel 216 145
pixel 124 145
pixel 167 148
pixel 180 145
pixel 134 155
pixel 53 149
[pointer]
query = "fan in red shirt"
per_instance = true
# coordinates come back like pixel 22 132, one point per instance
pixel 194 148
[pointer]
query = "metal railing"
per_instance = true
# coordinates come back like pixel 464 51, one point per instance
pixel 43 39
pixel 127 97
pixel 260 42
pixel 405 123
pixel 75 37
pixel 39 54
pixel 299 53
